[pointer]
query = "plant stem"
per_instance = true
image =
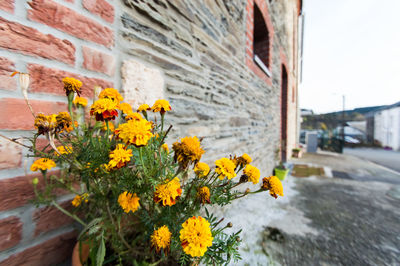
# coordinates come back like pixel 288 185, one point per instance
pixel 142 161
pixel 118 231
pixel 68 213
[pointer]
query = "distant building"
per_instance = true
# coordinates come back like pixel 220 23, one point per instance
pixel 383 125
pixel 304 112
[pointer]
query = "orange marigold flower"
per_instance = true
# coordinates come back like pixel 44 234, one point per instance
pixel 45 123
pixel 72 85
pixel 201 169
pixel 64 121
pixel 274 185
pixel 78 199
pixel 168 193
pixel 136 132
pixel 80 101
pixel 111 93
pixel 126 108
pixel 43 164
pixel 144 108
pixel 189 150
pixel 119 157
pixel 128 201
pixel 165 147
pixel 225 168
pixel 111 126
pixel 196 236
pixel 104 109
pixel 161 106
pixel 133 116
pixel 252 173
pixel 63 150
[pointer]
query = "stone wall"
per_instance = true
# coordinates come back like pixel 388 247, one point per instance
pixel 192 53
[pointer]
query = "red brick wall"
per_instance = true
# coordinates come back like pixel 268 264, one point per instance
pixel 49 40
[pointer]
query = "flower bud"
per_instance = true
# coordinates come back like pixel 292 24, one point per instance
pixel 238 239
pixel 229 224
pixel 35 181
pixel 247 191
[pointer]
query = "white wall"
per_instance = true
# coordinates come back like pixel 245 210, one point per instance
pixel 387 127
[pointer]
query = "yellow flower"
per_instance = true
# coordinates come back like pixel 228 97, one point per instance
pixel 161 106
pixel 64 150
pixel 112 94
pixel 119 157
pixel 78 199
pixel 165 147
pixel 80 101
pixel 252 173
pixel 225 168
pixel 243 160
pixel 126 108
pixel 189 150
pixel 136 132
pixel 274 185
pixel 133 116
pixel 64 121
pixel 104 109
pixel 45 123
pixel 201 169
pixel 111 126
pixel 43 164
pixel 161 238
pixel 196 236
pixel 72 85
pixel 204 194
pixel 168 193
pixel 143 108
pixel 128 201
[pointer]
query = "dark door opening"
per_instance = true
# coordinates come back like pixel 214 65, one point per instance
pixel 284 87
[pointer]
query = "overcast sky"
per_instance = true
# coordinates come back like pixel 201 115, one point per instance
pixel 351 47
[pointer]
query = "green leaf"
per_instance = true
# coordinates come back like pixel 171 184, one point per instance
pixel 101 253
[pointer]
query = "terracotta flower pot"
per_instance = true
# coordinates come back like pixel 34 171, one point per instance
pixel 76 260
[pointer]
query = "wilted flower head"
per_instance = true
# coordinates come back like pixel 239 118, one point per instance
pixel 45 123
pixel 161 239
pixel 64 121
pixel 72 85
pixel 188 151
pixel 243 160
pixel 204 195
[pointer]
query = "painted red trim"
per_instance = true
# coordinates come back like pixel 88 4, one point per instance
pixel 284 63
pixel 262 5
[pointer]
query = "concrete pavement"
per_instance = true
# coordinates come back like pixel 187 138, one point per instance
pixel 338 221
pixel 387 158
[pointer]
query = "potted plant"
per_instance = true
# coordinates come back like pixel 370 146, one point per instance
pixel 138 200
pixel 297 152
pixel 281 171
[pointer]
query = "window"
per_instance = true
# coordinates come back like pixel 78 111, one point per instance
pixel 261 47
pixel 259 39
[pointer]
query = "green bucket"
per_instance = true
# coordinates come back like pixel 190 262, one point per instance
pixel 281 173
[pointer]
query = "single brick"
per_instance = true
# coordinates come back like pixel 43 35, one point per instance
pixel 50 218
pixel 50 252
pixel 10 154
pixel 17 191
pixel 6 68
pixel 10 232
pixel 15 114
pixel 49 80
pixel 101 8
pixel 69 21
pixel 19 38
pixel 98 61
pixel 7 5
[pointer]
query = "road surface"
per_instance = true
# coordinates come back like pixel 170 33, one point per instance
pixel 390 159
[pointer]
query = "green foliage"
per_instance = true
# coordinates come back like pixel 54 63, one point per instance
pixel 124 238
